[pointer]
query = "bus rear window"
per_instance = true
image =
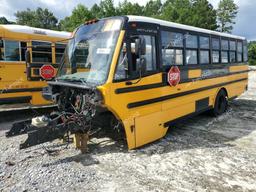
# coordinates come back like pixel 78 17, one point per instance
pixel 41 52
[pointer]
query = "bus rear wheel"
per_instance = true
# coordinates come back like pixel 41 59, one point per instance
pixel 221 103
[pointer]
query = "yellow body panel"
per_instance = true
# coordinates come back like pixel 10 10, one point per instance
pixel 194 73
pixel 238 68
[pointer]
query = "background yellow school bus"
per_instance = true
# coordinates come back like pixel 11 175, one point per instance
pixel 20 82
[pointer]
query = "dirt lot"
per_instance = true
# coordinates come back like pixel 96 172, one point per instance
pixel 201 154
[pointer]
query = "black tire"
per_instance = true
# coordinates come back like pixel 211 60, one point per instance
pixel 221 103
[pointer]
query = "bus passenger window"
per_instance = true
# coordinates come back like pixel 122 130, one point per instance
pixel 239 51
pixel 232 53
pixel 232 56
pixel 172 53
pixel 191 57
pixel 204 50
pixel 224 52
pixel 215 56
pixel 191 41
pixel 204 57
pixel 12 51
pixel 245 54
pixel 41 52
pixel 215 50
pixel 224 56
pixel 192 49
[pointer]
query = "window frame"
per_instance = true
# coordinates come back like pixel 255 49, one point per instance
pixel 213 49
pixel 204 49
pixel 55 50
pixel 242 51
pixel 232 51
pixel 41 52
pixel 192 49
pixel 245 44
pixel 224 50
pixel 173 47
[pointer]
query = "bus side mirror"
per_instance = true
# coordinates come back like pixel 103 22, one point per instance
pixel 140 46
pixel 27 56
pixel 1 44
pixel 142 64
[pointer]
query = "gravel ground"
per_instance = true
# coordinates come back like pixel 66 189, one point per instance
pixel 201 154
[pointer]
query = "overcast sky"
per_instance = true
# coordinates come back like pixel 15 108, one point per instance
pixel 245 22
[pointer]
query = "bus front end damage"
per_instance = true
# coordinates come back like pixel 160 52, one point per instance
pixel 80 112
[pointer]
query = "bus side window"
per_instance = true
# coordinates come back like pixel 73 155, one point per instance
pixel 12 51
pixel 191 49
pixel 172 48
pixel 122 65
pixel 239 52
pixel 23 46
pixel 1 50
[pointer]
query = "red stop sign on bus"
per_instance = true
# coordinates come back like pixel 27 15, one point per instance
pixel 47 71
pixel 174 76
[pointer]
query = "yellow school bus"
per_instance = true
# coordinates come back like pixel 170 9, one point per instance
pixel 23 51
pixel 141 76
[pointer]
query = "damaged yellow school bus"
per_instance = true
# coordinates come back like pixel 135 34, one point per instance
pixel 140 75
pixel 23 51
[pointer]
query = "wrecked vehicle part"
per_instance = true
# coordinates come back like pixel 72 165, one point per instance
pixel 80 112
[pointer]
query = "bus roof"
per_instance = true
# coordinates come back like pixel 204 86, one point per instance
pixel 36 31
pixel 133 18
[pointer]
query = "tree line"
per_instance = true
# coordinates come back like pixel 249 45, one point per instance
pixel 198 13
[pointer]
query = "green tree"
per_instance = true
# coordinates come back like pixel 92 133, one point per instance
pixel 3 20
pixel 79 15
pixel 204 15
pixel 96 11
pixel 252 53
pixel 153 8
pixel 128 8
pixel 26 17
pixel 198 13
pixel 107 8
pixel 177 11
pixel 226 14
pixel 41 18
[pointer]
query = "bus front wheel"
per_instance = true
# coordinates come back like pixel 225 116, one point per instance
pixel 221 103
